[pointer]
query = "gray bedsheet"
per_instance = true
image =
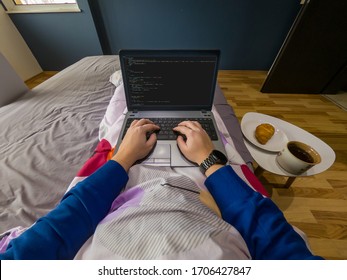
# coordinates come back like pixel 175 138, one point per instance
pixel 48 134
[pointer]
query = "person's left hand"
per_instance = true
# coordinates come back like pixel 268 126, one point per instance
pixel 135 145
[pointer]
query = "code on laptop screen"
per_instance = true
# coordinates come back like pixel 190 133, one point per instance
pixel 167 82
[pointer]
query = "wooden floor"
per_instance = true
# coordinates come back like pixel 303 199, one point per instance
pixel 40 78
pixel 317 204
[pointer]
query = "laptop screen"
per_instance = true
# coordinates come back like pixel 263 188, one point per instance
pixel 169 80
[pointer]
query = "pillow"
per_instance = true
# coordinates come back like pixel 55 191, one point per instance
pixel 12 86
pixel 116 78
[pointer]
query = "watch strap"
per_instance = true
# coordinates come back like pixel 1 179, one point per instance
pixel 214 157
pixel 208 162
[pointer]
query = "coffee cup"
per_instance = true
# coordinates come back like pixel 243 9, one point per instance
pixel 297 157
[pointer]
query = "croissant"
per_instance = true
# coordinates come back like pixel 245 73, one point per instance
pixel 264 132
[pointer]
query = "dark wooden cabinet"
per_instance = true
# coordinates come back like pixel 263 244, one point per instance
pixel 313 58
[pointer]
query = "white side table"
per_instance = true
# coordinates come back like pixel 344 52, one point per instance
pixel 266 160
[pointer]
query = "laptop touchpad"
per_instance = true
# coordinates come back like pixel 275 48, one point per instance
pixel 161 155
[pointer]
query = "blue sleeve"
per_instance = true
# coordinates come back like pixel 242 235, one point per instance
pixel 61 233
pixel 260 222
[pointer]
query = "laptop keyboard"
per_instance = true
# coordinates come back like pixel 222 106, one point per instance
pixel 167 124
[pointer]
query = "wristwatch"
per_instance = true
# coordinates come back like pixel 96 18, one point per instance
pixel 215 157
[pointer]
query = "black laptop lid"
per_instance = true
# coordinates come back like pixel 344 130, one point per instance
pixel 169 79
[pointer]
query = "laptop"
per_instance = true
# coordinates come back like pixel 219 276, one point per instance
pixel 167 87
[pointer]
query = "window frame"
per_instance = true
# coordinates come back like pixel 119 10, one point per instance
pixel 12 8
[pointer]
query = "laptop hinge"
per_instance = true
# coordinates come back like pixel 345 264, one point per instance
pixel 206 113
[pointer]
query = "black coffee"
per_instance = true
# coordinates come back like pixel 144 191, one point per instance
pixel 300 153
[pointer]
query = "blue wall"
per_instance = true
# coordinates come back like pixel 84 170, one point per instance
pixel 248 32
pixel 59 39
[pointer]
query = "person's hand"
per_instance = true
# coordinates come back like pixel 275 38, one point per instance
pixel 198 145
pixel 135 145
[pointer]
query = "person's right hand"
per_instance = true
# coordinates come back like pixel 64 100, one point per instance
pixel 198 145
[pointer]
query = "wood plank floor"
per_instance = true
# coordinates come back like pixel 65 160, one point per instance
pixel 40 78
pixel 317 204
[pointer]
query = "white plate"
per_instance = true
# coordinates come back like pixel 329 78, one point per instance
pixel 267 160
pixel 276 142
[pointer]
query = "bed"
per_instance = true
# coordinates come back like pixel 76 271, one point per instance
pixel 49 133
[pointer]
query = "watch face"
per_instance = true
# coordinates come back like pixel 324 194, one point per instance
pixel 222 159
